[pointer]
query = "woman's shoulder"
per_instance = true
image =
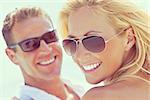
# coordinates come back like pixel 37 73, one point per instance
pixel 123 90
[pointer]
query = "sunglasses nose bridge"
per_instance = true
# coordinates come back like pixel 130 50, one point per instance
pixel 79 45
pixel 77 42
pixel 43 45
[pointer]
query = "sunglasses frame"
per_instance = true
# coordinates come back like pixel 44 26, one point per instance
pixel 79 40
pixel 12 46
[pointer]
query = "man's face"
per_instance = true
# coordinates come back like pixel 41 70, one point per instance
pixel 43 62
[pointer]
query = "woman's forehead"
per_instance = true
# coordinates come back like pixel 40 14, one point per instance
pixel 84 20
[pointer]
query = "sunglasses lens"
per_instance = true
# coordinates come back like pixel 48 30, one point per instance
pixel 94 43
pixel 50 37
pixel 69 46
pixel 29 44
pixel 33 43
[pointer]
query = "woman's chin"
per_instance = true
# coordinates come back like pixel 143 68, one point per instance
pixel 93 81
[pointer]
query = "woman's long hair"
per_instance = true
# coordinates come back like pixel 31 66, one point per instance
pixel 120 14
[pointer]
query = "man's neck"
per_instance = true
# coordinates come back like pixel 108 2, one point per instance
pixel 55 87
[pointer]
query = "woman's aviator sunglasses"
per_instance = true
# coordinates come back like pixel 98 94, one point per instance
pixel 31 44
pixel 91 43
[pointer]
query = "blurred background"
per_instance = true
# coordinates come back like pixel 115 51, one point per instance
pixel 10 75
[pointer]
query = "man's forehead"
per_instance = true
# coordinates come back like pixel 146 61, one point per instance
pixel 31 28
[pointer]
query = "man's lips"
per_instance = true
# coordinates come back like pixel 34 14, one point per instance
pixel 47 61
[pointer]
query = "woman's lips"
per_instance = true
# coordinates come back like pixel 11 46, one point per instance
pixel 91 67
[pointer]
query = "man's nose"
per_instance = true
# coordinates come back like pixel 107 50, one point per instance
pixel 44 46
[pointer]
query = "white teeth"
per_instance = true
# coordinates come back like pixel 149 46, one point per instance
pixel 47 61
pixel 91 67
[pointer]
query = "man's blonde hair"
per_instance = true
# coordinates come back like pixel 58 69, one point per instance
pixel 17 16
pixel 121 14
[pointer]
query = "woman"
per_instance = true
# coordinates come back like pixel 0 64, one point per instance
pixel 110 41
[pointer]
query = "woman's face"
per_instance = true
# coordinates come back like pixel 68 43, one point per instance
pixel 97 66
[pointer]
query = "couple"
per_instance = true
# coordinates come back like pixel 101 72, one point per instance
pixel 108 39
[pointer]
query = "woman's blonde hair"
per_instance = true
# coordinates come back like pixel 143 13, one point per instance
pixel 120 14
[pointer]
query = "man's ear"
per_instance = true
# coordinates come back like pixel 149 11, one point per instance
pixel 130 39
pixel 12 55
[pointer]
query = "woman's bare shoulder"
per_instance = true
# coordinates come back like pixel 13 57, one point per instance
pixel 123 90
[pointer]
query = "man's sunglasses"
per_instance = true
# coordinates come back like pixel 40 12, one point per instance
pixel 91 43
pixel 31 44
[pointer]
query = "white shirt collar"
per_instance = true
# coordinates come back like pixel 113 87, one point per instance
pixel 32 93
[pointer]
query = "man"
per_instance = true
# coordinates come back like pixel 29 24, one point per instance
pixel 33 45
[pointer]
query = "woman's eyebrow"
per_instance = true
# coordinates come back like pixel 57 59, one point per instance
pixel 86 34
pixel 89 32
pixel 71 36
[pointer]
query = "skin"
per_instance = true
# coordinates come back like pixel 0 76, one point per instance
pixel 118 50
pixel 45 77
pixel 84 57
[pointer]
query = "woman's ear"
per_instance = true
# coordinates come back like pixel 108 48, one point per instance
pixel 130 39
pixel 12 55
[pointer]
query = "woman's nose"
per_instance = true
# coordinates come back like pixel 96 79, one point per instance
pixel 80 49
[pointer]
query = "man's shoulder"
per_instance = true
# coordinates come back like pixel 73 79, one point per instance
pixel 29 93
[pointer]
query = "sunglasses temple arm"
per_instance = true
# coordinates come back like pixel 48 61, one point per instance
pixel 12 46
pixel 117 34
